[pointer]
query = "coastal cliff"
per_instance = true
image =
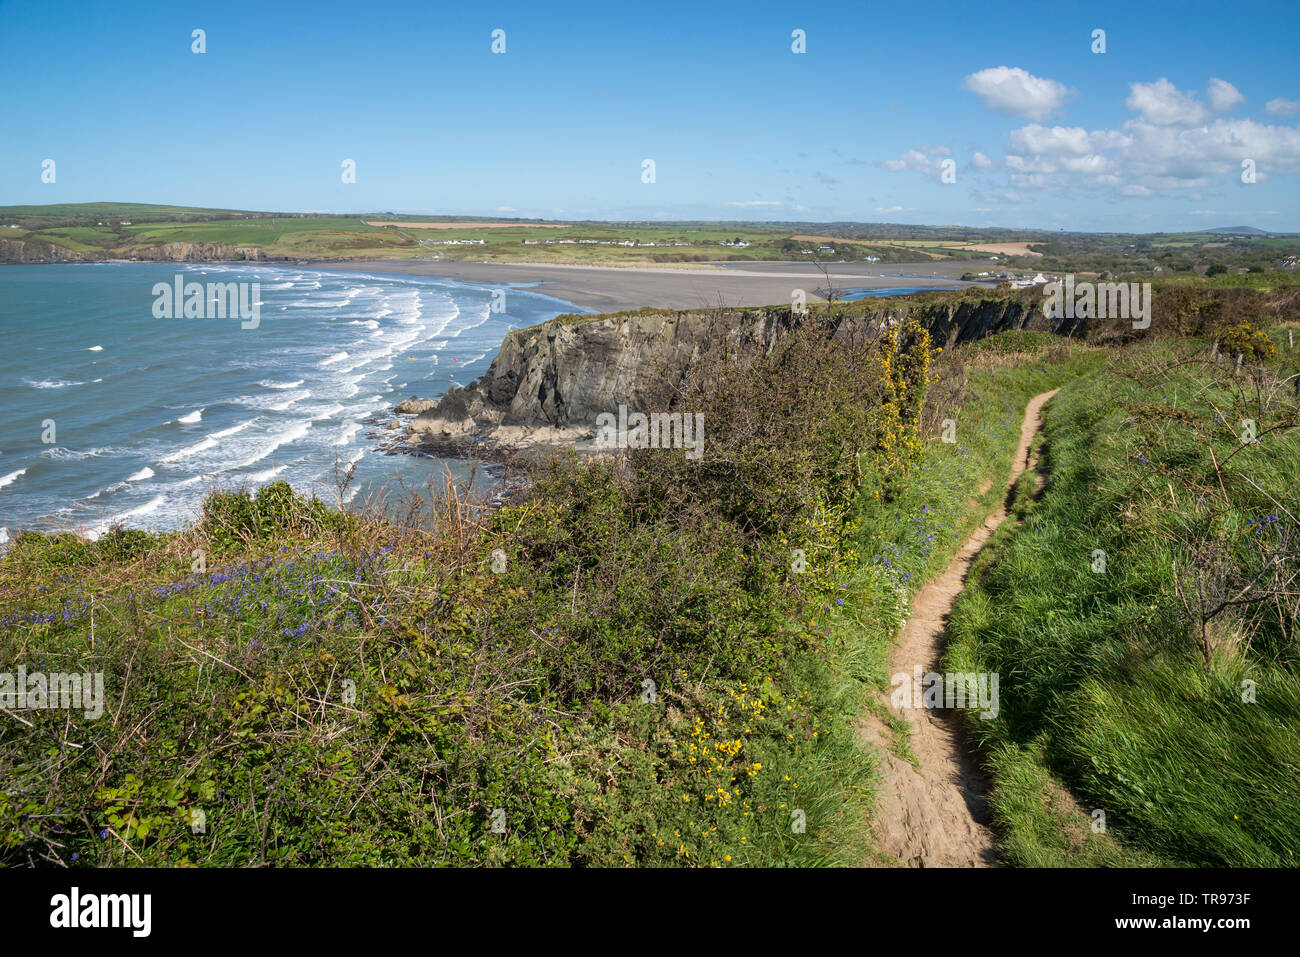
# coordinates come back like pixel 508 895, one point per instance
pixel 41 251
pixel 196 252
pixel 548 382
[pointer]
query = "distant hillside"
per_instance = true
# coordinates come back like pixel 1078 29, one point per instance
pixel 93 232
pixel 89 232
pixel 35 217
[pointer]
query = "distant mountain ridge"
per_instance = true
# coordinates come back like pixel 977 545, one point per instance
pixel 1246 230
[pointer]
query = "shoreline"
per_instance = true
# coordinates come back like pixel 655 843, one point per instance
pixel 606 288
pixel 619 288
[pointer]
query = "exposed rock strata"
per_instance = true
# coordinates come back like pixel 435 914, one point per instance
pixel 548 382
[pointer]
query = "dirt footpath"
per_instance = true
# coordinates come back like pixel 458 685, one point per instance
pixel 938 816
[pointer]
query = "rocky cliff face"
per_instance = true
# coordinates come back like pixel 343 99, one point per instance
pixel 549 382
pixel 195 252
pixel 40 251
pixel 35 251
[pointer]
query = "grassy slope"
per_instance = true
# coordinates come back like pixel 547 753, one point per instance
pixel 477 691
pixel 332 690
pixel 1105 692
pixel 63 212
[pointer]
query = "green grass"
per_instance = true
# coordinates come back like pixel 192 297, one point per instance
pixel 347 690
pixel 908 528
pixel 1111 689
pixel 56 213
pixel 330 689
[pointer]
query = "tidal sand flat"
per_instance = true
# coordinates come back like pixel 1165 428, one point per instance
pixel 613 288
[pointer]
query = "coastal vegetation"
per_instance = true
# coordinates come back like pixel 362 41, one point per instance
pixel 1143 616
pixel 647 660
pixel 617 668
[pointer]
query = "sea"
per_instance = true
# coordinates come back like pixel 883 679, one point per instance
pixel 111 413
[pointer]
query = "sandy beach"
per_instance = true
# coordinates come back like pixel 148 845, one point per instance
pixel 612 288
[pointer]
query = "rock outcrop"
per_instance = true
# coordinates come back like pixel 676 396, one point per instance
pixel 548 382
pixel 414 406
pixel 32 250
pixel 39 251
pixel 196 252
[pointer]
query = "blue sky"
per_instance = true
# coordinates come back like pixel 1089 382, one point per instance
pixel 1040 131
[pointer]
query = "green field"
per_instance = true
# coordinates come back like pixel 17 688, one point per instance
pixel 96 231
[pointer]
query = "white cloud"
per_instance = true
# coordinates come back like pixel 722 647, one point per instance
pixel 1029 180
pixel 1063 140
pixel 1029 164
pixel 1012 91
pixel 1223 95
pixel 1281 106
pixel 892 209
pixel 1093 164
pixel 1147 157
pixel 915 160
pixel 980 161
pixel 1191 158
pixel 753 202
pixel 1163 103
pixel 506 209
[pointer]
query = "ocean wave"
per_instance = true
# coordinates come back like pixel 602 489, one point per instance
pixel 345 434
pixel 337 357
pixel 140 476
pixel 192 417
pixel 321 305
pixel 324 411
pixel 267 474
pixel 269 384
pixel 95 349
pixel 233 429
pixel 273 403
pixel 487 314
pixel 344 370
pixel 203 446
pixel 12 477
pixel 59 453
pixel 51 383
pixel 292 434
pixel 442 322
